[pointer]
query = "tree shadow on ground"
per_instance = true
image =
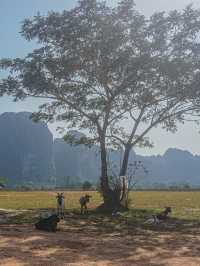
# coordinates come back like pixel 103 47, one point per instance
pixel 96 239
pixel 134 220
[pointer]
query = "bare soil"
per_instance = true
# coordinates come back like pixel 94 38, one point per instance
pixel 87 242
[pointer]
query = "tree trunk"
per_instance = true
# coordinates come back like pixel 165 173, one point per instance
pixel 123 172
pixel 110 197
pixel 124 167
pixel 104 172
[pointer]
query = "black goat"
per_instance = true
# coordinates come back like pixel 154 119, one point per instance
pixel 48 224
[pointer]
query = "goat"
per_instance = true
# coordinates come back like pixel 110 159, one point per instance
pixel 48 224
pixel 156 219
pixel 83 202
pixel 164 215
pixel 60 205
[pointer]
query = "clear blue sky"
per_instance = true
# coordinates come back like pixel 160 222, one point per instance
pixel 13 12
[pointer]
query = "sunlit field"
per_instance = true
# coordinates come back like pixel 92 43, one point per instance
pixel 100 239
pixel 184 204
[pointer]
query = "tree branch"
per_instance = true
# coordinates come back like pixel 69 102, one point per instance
pixel 117 138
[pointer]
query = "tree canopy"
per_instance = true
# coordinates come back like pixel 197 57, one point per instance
pixel 98 66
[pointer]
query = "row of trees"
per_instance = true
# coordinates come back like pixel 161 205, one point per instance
pixel 99 68
pixel 69 182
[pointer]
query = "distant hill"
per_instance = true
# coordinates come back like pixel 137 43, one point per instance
pixel 28 154
pixel 26 150
pixel 173 168
pixel 77 161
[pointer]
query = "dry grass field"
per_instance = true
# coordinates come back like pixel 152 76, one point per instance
pixel 184 204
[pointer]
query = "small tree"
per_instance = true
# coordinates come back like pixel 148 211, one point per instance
pixel 98 66
pixel 132 179
pixel 127 183
pixel 86 185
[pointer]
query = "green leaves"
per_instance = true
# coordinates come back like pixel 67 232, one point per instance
pixel 101 68
pixel 74 140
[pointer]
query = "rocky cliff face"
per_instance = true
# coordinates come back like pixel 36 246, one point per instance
pixel 29 155
pixel 173 168
pixel 25 150
pixel 78 161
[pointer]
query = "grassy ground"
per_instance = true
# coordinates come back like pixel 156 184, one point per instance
pixel 43 200
pixel 185 205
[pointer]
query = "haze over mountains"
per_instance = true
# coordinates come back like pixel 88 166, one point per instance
pixel 28 154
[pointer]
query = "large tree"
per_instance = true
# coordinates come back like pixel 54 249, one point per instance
pixel 98 66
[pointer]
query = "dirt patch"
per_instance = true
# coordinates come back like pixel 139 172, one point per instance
pixel 86 245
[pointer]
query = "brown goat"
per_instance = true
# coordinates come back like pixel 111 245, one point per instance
pixel 83 202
